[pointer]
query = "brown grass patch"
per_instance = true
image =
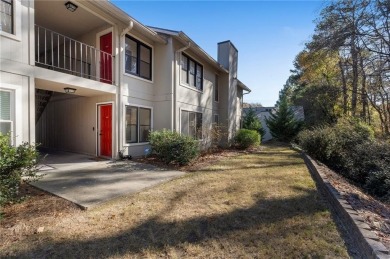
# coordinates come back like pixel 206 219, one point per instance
pixel 261 205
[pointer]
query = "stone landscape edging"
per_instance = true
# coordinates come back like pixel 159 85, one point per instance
pixel 364 239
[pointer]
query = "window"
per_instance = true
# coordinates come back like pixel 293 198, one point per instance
pixel 191 124
pixel 216 119
pixel 216 89
pixel 6 11
pixel 191 72
pixel 138 58
pixel 6 120
pixel 138 124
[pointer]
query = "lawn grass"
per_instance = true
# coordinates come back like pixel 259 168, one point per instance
pixel 255 205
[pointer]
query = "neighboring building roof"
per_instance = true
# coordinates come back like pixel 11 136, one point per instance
pixel 115 11
pixel 298 111
pixel 181 36
pixel 260 109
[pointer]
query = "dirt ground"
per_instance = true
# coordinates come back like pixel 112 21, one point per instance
pixel 375 213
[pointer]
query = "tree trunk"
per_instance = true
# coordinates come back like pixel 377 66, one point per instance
pixel 355 75
pixel 345 93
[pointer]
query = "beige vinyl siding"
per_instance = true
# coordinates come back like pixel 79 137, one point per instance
pixel 69 123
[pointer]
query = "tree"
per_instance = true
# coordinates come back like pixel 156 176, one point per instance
pixel 252 122
pixel 282 123
pixel 344 69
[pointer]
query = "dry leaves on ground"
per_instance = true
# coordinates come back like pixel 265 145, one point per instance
pixel 375 213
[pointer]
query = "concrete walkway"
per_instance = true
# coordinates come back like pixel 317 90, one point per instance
pixel 87 182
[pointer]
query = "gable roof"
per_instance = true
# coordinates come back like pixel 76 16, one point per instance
pixel 243 86
pixel 115 11
pixel 183 38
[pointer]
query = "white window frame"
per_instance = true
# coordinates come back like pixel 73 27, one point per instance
pixel 125 144
pixel 180 77
pixel 16 22
pixel 12 115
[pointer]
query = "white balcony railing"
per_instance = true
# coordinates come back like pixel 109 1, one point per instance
pixel 60 53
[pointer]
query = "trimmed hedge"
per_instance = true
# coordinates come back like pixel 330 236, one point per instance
pixel 171 147
pixel 246 138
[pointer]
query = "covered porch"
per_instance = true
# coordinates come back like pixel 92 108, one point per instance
pixel 83 46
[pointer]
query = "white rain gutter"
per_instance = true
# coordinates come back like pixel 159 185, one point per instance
pixel 177 52
pixel 120 77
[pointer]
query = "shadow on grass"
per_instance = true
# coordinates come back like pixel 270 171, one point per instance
pixel 155 235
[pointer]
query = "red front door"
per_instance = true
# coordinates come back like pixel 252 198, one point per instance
pixel 105 58
pixel 105 134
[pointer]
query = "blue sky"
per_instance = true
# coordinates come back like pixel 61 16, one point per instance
pixel 268 34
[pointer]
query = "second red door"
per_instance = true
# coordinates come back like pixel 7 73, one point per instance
pixel 106 58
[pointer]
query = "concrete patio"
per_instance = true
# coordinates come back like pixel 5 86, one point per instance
pixel 88 181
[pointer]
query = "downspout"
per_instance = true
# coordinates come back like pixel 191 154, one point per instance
pixel 177 52
pixel 120 76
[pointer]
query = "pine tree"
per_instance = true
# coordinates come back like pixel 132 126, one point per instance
pixel 252 122
pixel 282 123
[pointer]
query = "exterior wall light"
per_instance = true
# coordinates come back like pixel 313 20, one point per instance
pixel 69 90
pixel 71 6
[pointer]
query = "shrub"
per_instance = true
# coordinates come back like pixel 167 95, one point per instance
pixel 319 143
pixel 16 164
pixel 378 184
pixel 171 147
pixel 349 147
pixel 247 138
pixel 333 145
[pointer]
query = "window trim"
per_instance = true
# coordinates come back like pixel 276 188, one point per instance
pixel 126 144
pixel 189 111
pixel 147 46
pixel 12 113
pixel 11 3
pixel 216 115
pixel 16 22
pixel 216 88
pixel 197 63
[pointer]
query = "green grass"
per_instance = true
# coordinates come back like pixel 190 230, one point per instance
pixel 262 205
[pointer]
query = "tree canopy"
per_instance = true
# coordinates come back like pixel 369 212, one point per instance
pixel 344 70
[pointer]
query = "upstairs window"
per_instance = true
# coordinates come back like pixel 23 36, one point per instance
pixel 7 13
pixel 191 72
pixel 138 58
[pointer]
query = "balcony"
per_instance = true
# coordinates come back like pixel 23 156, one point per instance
pixel 60 53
